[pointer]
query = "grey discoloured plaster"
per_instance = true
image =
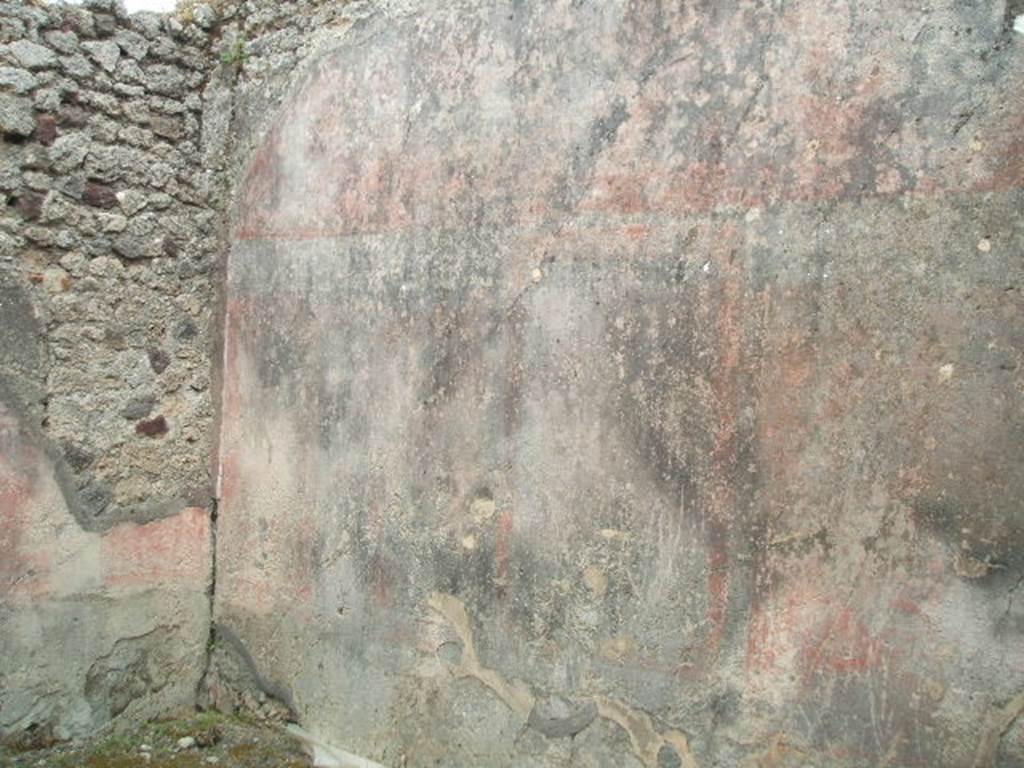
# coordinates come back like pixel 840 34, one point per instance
pixel 557 718
pixel 590 384
pixel 630 384
pixel 135 668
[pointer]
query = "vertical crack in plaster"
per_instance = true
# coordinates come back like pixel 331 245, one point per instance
pixel 646 740
pixel 211 594
pixel 220 377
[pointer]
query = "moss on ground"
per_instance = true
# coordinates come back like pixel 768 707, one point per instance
pixel 220 740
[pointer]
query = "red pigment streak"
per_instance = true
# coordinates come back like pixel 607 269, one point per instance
pixel 269 566
pixel 24 569
pixel 266 561
pixel 502 544
pixel 381 580
pixel 783 430
pixel 22 573
pixel 905 604
pixel 170 551
pixel 842 645
pixel 1009 173
pixel 367 208
pixel 761 653
pixel 775 627
pixel 315 175
pixel 721 498
pixel 229 481
pixel 402 186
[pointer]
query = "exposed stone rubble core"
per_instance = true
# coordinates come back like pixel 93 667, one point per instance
pixel 604 384
pixel 110 236
pixel 111 231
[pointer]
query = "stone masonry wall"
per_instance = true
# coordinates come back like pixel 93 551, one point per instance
pixel 601 384
pixel 111 230
pixel 110 239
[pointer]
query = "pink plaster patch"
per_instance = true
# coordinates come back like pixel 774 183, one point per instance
pixel 175 551
pixel 24 570
pixel 24 567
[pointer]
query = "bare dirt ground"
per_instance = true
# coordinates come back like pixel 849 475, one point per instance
pixel 200 741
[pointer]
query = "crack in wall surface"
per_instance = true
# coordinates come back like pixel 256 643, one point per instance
pixel 211 595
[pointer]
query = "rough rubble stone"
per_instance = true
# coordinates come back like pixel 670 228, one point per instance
pixel 133 44
pixel 77 66
pixel 64 41
pixel 138 407
pixel 164 79
pixel 112 222
pixel 47 99
pixel 99 195
pixel 142 239
pixel 17 115
pixel 131 201
pixel 106 24
pixel 204 16
pixel 105 53
pixel 79 21
pixel 16 80
pixel 69 151
pixel 46 129
pixel 148 23
pixel 32 55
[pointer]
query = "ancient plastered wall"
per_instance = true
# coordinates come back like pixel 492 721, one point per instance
pixel 109 246
pixel 636 383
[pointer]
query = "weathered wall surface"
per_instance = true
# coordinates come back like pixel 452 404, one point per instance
pixel 636 384
pixel 109 239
